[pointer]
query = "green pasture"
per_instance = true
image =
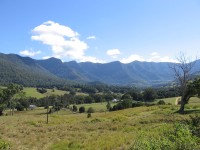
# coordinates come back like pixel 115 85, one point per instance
pixel 104 130
pixel 32 92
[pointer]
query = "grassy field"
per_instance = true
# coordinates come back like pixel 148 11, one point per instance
pixel 32 92
pixel 169 100
pixel 104 130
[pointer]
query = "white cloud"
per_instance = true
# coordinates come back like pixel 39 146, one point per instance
pixel 46 57
pixel 29 53
pixel 113 53
pixel 155 57
pixel 64 42
pixel 132 58
pixel 91 59
pixel 91 37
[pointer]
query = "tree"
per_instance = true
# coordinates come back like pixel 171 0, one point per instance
pixel 183 74
pixel 108 106
pixel 82 109
pixel 9 93
pixel 126 96
pixel 74 108
pixel 149 94
pixel 90 110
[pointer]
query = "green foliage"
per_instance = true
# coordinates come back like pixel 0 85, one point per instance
pixel 4 145
pixel 82 109
pixel 19 107
pixel 2 107
pixel 127 103
pixel 7 94
pixel 126 96
pixel 90 110
pixel 42 90
pixel 149 94
pixel 161 102
pixel 108 105
pixel 194 124
pixel 74 108
pixel 167 92
pixel 178 138
pixel 89 115
pixel 25 71
pixel 138 104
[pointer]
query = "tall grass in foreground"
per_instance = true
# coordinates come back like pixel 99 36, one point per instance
pixel 134 128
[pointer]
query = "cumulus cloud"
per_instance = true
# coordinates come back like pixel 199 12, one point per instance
pixel 29 53
pixel 91 37
pixel 113 53
pixel 132 58
pixel 91 59
pixel 156 57
pixel 46 57
pixel 64 42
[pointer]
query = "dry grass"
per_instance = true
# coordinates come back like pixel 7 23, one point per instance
pixel 66 130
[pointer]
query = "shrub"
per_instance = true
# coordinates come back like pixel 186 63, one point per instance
pixel 180 138
pixel 19 107
pixel 108 106
pixel 2 107
pixel 42 90
pixel 194 124
pixel 161 102
pixel 138 104
pixel 74 108
pixel 89 115
pixel 90 110
pixel 82 109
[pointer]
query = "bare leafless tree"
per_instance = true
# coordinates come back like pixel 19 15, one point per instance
pixel 183 74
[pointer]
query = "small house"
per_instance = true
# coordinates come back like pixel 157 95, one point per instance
pixel 31 107
pixel 115 100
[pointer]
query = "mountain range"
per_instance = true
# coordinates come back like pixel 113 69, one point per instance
pixel 52 71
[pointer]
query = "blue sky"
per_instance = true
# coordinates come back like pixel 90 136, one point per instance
pixel 100 30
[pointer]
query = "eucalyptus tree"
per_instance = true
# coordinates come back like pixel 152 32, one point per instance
pixel 183 73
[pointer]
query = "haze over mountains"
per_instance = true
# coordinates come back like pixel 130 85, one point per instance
pixel 52 71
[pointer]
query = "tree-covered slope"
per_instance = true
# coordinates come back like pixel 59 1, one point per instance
pixel 30 72
pixel 24 70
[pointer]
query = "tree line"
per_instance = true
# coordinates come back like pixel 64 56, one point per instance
pixel 21 102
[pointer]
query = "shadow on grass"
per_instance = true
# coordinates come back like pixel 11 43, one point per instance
pixel 193 111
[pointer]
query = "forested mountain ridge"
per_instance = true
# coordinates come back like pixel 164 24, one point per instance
pixel 25 71
pixel 31 72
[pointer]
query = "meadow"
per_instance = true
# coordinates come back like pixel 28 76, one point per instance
pixel 32 92
pixel 124 129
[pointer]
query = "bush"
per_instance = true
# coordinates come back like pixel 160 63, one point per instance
pixel 138 104
pixel 42 90
pixel 108 106
pixel 161 102
pixel 194 124
pixel 19 107
pixel 90 110
pixel 74 108
pixel 82 109
pixel 180 138
pixel 2 107
pixel 89 115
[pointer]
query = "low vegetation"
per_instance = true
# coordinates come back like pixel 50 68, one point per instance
pixel 146 127
pixel 90 118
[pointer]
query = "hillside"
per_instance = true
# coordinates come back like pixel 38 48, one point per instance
pixel 52 71
pixel 24 70
pixel 135 73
